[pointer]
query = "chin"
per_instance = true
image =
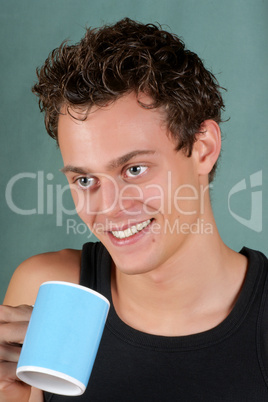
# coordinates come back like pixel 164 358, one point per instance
pixel 131 270
pixel 135 266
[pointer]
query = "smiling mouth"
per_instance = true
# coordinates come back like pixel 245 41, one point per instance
pixel 124 234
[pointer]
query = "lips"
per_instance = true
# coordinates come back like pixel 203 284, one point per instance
pixel 132 230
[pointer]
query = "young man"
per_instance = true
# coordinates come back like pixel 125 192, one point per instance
pixel 136 118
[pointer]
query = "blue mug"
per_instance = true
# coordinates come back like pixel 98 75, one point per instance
pixel 62 338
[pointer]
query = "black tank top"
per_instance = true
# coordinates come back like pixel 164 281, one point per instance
pixel 227 363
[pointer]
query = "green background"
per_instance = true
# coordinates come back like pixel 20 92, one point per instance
pixel 230 35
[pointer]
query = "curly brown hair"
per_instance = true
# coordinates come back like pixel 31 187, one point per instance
pixel 131 57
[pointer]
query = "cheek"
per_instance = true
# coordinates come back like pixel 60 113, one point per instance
pixel 83 205
pixel 186 200
pixel 154 199
pixel 172 196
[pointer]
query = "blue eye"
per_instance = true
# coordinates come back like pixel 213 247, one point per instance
pixel 86 182
pixel 135 170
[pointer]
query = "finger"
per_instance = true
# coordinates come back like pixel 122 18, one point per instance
pixel 8 372
pixel 13 332
pixel 9 353
pixel 12 314
pixel 11 388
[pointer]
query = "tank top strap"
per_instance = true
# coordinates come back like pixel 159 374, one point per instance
pixel 95 266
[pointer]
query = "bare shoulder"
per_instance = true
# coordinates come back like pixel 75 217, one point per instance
pixel 63 265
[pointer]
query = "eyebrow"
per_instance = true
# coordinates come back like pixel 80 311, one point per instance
pixel 113 164
pixel 74 169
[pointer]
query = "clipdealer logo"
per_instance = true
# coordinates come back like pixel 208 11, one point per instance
pixel 254 193
pixel 50 198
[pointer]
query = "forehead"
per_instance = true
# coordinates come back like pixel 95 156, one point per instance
pixel 118 128
pixel 128 108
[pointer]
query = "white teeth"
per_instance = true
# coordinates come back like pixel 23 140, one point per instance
pixel 123 234
pixel 140 226
pixel 127 232
pixel 134 229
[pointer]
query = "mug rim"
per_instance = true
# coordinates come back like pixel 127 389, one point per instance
pixel 75 285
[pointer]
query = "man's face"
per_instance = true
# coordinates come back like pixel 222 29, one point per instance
pixel 129 185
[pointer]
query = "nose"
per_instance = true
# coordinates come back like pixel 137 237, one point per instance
pixel 108 195
pixel 116 198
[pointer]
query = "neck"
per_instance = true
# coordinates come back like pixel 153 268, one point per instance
pixel 192 293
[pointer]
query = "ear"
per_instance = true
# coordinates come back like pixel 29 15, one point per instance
pixel 207 146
